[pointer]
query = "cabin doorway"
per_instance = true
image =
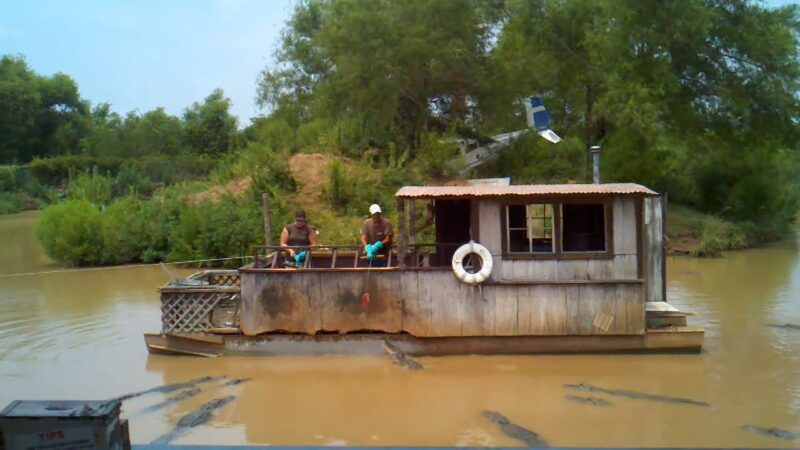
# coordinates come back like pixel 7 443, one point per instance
pixel 453 220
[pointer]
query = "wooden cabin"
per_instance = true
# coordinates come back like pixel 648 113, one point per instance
pixel 574 268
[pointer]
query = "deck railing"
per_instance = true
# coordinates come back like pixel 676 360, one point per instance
pixel 353 256
pixel 212 307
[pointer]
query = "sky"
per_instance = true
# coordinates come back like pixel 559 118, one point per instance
pixel 139 55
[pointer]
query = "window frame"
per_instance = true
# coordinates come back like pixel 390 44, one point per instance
pixel 558 252
pixel 507 230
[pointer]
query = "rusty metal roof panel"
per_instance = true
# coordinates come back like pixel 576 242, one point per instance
pixel 523 190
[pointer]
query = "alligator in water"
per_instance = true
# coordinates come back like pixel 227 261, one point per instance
pixel 171 387
pixel 594 401
pixel 236 381
pixel 637 395
pixel 400 358
pixel 787 326
pixel 773 432
pixel 182 395
pixel 193 419
pixel 515 431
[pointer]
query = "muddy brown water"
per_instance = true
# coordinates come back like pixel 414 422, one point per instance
pixel 78 335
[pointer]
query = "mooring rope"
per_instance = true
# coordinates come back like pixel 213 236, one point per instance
pixel 128 266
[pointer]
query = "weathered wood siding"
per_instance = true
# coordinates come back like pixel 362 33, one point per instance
pixel 622 266
pixel 490 234
pixel 600 296
pixel 434 303
pixel 653 249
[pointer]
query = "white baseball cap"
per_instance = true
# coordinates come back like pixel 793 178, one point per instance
pixel 374 209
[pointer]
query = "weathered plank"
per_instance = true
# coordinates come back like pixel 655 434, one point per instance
pixel 631 299
pixel 653 249
pixel 407 294
pixel 572 269
pixel 591 310
pixel 520 270
pixel 489 307
pixel 344 311
pixel 621 298
pixel 471 309
pixel 624 229
pixel 420 318
pixel 280 302
pixel 250 311
pixel 505 312
pixel 543 310
pixel 543 269
pixel 506 269
pixel 625 267
pixel 490 234
pixel 443 290
pixel 572 299
pixel 600 269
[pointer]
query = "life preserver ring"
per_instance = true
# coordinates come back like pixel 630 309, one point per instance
pixel 486 263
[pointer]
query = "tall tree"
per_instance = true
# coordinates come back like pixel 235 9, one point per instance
pixel 209 127
pixel 39 116
pixel 382 71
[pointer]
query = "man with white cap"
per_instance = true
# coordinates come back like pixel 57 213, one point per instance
pixel 376 236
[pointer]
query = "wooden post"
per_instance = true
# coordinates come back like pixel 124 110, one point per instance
pixel 412 229
pixel 265 209
pixel 401 231
pixel 665 199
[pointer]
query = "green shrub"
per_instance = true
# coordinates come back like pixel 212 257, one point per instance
pixel 72 232
pixel 7 179
pixel 124 237
pixel 92 187
pixel 10 202
pixel 159 169
pixel 131 181
pixel 341 186
pixel 718 236
pixel 217 230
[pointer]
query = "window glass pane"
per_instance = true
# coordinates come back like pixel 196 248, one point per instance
pixel 516 216
pixel 530 228
pixel 540 227
pixel 584 228
pixel 518 241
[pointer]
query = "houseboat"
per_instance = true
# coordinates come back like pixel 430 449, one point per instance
pixel 482 268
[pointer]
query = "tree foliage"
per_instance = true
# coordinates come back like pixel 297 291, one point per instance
pixel 39 116
pixel 695 97
pixel 45 117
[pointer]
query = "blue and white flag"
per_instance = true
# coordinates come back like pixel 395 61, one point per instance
pixel 539 118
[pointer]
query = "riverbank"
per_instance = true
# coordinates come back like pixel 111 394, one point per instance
pixel 693 233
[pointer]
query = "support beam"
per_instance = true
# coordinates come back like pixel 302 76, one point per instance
pixel 401 228
pixel 265 210
pixel 412 229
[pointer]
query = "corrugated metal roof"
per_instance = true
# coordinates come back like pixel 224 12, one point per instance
pixel 523 189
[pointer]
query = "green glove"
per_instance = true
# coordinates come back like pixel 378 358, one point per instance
pixel 377 246
pixel 369 249
pixel 299 257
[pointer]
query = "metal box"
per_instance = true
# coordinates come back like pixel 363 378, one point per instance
pixel 61 425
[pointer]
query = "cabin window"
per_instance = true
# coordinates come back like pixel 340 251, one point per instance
pixel 583 227
pixel 530 228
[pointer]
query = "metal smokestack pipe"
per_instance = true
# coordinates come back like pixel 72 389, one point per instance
pixel 595 149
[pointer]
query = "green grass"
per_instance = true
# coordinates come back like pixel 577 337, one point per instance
pixel 699 234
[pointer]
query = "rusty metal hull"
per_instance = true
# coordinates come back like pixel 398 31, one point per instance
pixel 680 340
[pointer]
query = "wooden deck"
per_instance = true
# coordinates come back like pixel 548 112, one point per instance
pixel 672 340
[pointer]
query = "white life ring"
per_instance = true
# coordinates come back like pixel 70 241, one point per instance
pixel 486 263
